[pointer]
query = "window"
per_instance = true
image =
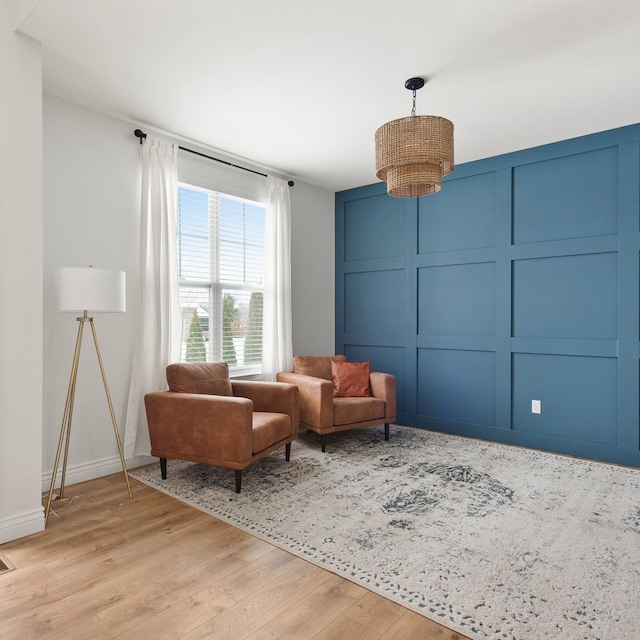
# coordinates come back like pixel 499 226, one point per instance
pixel 221 241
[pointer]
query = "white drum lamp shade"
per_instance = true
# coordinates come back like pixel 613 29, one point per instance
pixel 89 289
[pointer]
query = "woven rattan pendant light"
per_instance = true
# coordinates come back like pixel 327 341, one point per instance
pixel 414 153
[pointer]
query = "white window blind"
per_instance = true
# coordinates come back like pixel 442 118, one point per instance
pixel 221 242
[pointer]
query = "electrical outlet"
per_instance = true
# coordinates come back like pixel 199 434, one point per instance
pixel 536 406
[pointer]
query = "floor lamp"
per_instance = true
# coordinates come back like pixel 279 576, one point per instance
pixel 85 290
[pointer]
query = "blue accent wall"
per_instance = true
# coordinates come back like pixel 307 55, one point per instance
pixel 519 281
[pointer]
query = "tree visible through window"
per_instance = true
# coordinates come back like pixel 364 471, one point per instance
pixel 221 276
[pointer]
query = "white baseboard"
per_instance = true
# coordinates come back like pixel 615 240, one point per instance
pixel 30 522
pixel 94 469
pixel 21 525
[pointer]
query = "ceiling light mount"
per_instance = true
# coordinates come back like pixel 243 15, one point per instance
pixel 413 84
pixel 413 154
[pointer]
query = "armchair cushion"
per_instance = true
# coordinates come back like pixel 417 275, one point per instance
pixel 354 410
pixel 269 428
pixel 211 378
pixel 350 379
pixel 316 366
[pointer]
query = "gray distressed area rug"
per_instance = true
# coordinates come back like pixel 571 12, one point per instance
pixel 490 540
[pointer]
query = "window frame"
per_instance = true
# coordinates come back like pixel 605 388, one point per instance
pixel 215 288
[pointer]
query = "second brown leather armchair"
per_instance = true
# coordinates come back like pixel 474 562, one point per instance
pixel 323 413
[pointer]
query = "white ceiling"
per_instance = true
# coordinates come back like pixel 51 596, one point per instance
pixel 301 86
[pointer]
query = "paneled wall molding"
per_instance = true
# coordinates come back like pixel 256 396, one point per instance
pixel 519 281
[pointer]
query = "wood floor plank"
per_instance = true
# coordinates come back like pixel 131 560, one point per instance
pixel 181 618
pixel 417 627
pixel 253 577
pixel 312 613
pixel 251 613
pixel 91 629
pixel 154 567
pixel 187 582
pixel 62 611
pixel 13 585
pixel 343 628
pixel 375 612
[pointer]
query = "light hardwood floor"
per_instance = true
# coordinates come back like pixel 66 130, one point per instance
pixel 154 568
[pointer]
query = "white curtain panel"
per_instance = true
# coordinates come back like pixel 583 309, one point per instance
pixel 277 341
pixel 158 321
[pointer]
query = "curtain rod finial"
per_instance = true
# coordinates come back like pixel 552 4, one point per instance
pixel 139 133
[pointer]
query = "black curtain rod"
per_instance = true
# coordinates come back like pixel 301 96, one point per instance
pixel 138 133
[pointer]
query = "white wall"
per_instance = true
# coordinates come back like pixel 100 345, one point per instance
pixel 313 270
pixel 91 202
pixel 20 281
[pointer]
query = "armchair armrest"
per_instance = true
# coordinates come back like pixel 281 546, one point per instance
pixel 182 423
pixel 383 386
pixel 271 396
pixel 316 398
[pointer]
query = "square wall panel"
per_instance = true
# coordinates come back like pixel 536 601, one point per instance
pixel 573 196
pixel 374 227
pixel 457 385
pixel 458 299
pixel 374 302
pixel 566 297
pixel 461 216
pixel 578 396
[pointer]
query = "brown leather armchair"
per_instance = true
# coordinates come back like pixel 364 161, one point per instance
pixel 206 417
pixel 323 413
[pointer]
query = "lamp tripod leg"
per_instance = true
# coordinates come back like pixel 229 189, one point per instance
pixel 65 428
pixel 113 415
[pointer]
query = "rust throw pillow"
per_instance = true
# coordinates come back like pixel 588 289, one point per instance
pixel 350 379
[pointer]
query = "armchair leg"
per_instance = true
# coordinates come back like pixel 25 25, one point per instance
pixel 323 442
pixel 287 451
pixel 238 480
pixel 386 431
pixel 163 468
